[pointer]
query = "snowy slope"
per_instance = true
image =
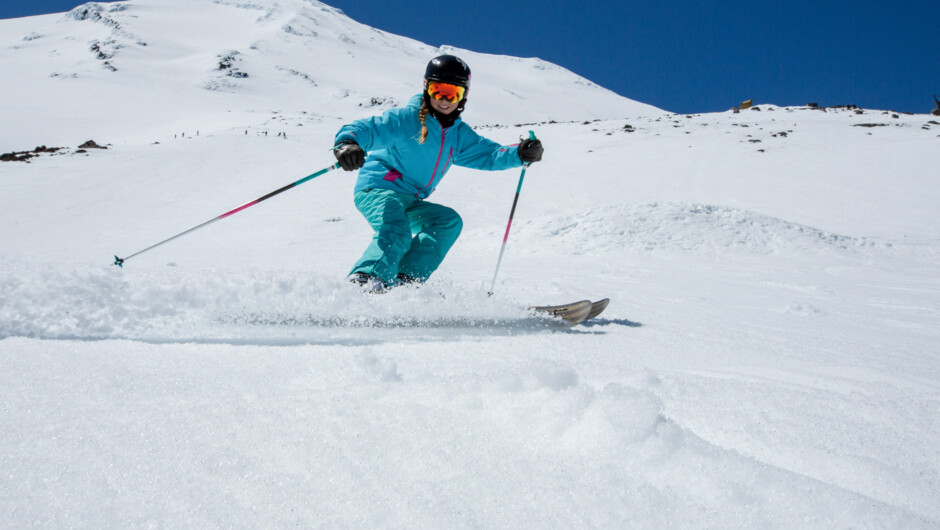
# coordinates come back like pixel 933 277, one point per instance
pixel 770 357
pixel 155 68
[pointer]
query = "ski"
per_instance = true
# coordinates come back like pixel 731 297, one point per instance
pixel 575 312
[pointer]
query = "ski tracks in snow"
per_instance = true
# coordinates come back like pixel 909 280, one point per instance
pixel 242 306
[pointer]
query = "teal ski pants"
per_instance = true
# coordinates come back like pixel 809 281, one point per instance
pixel 412 236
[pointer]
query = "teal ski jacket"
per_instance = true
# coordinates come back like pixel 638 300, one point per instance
pixel 396 161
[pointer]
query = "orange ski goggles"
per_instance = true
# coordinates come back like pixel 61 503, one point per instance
pixel 452 93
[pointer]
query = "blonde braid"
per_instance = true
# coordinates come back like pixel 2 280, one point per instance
pixel 422 114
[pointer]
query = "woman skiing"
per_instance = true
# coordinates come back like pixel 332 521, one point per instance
pixel 409 151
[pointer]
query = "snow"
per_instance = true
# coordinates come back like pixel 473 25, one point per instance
pixel 769 358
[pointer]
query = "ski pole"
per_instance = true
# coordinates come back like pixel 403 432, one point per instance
pixel 509 224
pixel 120 261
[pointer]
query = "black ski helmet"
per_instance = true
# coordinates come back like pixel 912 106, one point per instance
pixel 448 69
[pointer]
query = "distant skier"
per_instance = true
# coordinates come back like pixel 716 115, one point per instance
pixel 409 151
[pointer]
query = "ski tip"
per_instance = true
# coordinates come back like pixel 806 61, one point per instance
pixel 578 314
pixel 118 261
pixel 597 308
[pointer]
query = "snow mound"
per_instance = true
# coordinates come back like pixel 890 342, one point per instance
pixel 679 227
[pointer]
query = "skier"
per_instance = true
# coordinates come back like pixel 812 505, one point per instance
pixel 409 151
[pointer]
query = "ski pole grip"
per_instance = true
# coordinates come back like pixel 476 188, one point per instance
pixel 526 164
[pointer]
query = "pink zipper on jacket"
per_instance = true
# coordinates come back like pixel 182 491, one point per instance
pixel 439 155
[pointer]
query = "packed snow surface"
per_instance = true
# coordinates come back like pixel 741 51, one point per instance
pixel 770 357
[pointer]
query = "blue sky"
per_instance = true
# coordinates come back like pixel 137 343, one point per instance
pixel 686 56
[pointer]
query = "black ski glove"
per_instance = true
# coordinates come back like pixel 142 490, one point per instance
pixel 350 156
pixel 530 151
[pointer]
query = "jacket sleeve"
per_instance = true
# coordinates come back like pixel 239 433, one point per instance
pixel 477 152
pixel 378 132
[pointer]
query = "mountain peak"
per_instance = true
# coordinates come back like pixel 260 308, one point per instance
pixel 159 62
